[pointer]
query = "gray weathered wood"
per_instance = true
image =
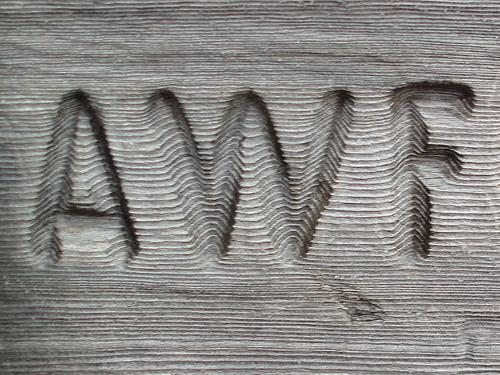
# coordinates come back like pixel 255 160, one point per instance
pixel 249 187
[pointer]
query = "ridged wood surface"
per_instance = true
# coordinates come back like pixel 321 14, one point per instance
pixel 249 187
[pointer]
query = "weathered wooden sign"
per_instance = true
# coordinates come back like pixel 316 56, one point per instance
pixel 249 187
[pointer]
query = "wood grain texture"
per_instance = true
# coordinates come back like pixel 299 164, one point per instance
pixel 249 187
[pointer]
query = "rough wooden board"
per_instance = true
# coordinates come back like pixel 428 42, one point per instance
pixel 365 298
